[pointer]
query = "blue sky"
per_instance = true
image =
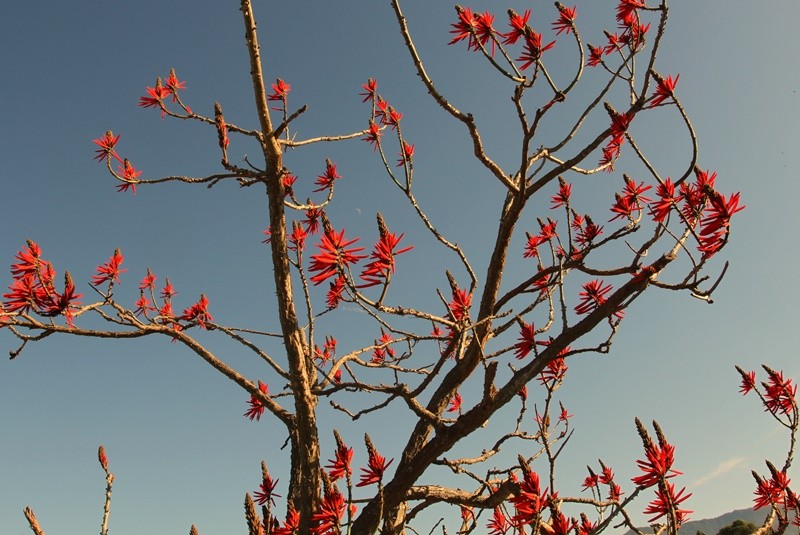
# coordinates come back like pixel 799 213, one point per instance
pixel 181 451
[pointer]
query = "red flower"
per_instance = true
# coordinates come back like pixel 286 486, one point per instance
pixel 566 19
pixel 594 295
pixel 779 394
pixel 630 199
pixel 526 341
pixel 533 49
pixel 106 144
pixel 373 137
pixel 335 292
pixel 155 97
pixel 666 501
pixel 484 29
pixel 266 492
pixel 376 466
pixel 518 24
pixel 465 27
pixel 532 246
pixel 333 256
pixel 460 305
pixel 329 514
pixel 291 525
pixel 748 381
pixel 498 524
pixel 592 480
pixel 588 232
pixel 392 118
pixel 288 181
pixel 665 90
pixel 406 155
pixel 595 56
pixel 198 312
pixel 772 491
pixel 130 175
pixel 30 261
pixel 560 524
pixel 256 405
pixel 555 370
pixel 280 90
pixel 168 292
pixel 564 191
pixel 657 466
pixel 564 415
pixel 143 305
pixel 455 403
pixel 174 85
pixel 370 90
pixel 110 271
pixel 325 180
pixel 530 501
pixel 340 465
pixel 660 209
pixel 297 239
pixel 382 266
pixel 148 282
pixel 312 220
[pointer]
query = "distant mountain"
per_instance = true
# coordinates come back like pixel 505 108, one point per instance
pixel 710 526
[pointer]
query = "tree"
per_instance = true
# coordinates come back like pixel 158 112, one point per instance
pixel 738 527
pixel 456 363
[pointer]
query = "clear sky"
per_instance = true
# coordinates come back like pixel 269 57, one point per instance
pixel 173 428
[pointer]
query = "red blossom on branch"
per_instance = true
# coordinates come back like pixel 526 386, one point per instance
pixel 455 403
pixel 155 97
pixel 110 271
pixel 329 514
pixel 106 144
pixel 594 295
pixel 533 49
pixel 406 154
pixel 498 524
pixel 280 90
pixel 526 342
pixel 174 85
pixel 566 19
pixel 339 466
pixel 382 264
pixel 665 90
pixel 667 500
pixel 376 466
pixel 370 90
pixel 256 405
pixel 198 312
pixel 266 493
pixel 518 24
pixel 326 179
pixel 333 256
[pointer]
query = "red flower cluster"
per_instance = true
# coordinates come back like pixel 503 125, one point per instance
pixel 280 91
pixel 530 501
pixel 666 499
pixel 340 465
pixel 333 256
pixel 526 342
pixel 773 491
pixel 665 90
pixel 594 295
pixel 110 271
pixel 256 405
pixel 198 312
pixel 326 179
pixel 619 126
pixel 266 492
pixel 566 19
pixel 630 200
pixel 33 287
pixel 376 466
pixel 329 515
pixel 657 466
pixel 382 265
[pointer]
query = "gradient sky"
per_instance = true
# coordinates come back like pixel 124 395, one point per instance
pixel 173 428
